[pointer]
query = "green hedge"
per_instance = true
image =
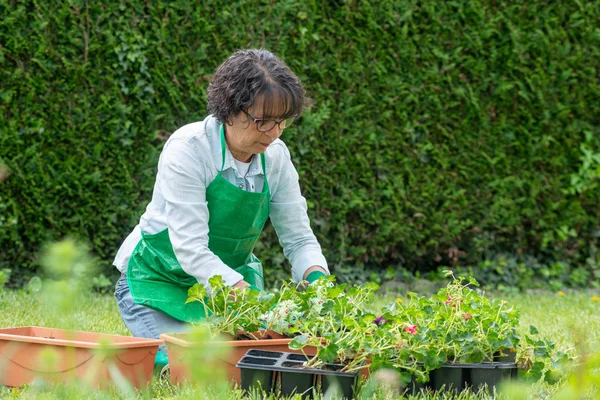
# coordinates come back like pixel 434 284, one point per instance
pixel 442 132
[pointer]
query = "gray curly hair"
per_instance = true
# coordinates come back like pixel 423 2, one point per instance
pixel 248 74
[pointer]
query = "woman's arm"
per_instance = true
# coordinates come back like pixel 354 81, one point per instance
pixel 290 219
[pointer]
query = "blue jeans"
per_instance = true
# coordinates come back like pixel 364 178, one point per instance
pixel 143 321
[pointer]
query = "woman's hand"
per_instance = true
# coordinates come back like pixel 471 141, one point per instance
pixel 241 284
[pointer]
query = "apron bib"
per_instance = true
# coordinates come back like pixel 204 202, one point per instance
pixel 237 217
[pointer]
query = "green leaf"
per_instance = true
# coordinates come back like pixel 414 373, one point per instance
pixel 335 291
pixel 405 378
pixel 196 293
pixel 533 330
pixel 552 376
pixel 298 342
pixel 535 373
pixel 328 353
pixel 265 297
pixel 216 282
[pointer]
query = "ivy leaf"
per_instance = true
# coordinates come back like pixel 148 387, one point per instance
pixel 298 342
pixel 541 351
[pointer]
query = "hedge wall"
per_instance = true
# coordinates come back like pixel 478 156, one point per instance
pixel 442 132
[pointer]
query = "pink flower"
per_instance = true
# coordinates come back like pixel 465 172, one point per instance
pixel 412 329
pixel 449 300
pixel 467 316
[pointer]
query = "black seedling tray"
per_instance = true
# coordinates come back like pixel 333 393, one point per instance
pixel 260 367
pixel 458 376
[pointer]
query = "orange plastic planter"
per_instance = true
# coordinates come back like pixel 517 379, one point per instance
pixel 76 356
pixel 178 347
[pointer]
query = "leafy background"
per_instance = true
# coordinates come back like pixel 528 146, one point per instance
pixel 459 133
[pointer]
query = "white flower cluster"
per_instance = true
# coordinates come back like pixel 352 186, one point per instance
pixel 321 287
pixel 283 316
pixel 316 305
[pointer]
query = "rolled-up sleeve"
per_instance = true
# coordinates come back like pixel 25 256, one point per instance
pixel 183 178
pixel 290 220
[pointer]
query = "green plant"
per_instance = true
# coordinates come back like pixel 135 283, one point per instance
pixel 335 323
pixel 230 309
pixel 458 324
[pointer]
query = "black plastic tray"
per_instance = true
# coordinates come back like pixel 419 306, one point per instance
pixel 461 376
pixel 264 368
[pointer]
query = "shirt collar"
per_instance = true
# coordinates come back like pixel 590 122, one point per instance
pixel 255 164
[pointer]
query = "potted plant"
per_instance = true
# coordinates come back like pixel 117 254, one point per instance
pixel 331 322
pixel 235 321
pixel 453 339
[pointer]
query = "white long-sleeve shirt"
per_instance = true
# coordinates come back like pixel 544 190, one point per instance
pixel 189 162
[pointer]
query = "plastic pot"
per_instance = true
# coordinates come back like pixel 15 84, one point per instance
pixel 457 377
pixel 450 377
pixel 491 375
pixel 297 382
pixel 415 387
pixel 263 378
pixel 344 383
pixel 76 355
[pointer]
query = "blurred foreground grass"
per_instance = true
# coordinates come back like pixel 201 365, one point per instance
pixel 566 319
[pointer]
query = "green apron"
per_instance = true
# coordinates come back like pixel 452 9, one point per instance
pixel 237 217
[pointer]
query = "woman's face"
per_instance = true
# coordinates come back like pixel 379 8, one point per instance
pixel 244 139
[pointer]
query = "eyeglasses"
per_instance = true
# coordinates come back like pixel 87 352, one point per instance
pixel 265 125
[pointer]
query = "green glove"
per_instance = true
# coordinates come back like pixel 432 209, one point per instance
pixel 254 288
pixel 315 275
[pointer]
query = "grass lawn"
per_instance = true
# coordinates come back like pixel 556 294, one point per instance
pixel 566 320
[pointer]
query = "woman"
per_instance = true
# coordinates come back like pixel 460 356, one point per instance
pixel 218 181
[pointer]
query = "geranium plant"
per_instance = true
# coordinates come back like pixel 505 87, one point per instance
pixel 459 324
pixel 336 324
pixel 231 309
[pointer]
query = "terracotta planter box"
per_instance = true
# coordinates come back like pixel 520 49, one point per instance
pixel 77 356
pixel 178 346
